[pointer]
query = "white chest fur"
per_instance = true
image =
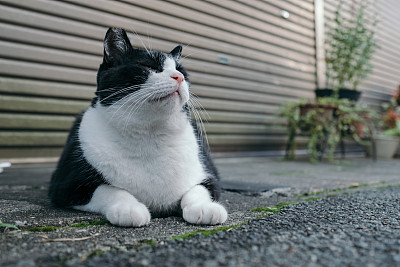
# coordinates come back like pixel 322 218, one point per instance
pixel 156 166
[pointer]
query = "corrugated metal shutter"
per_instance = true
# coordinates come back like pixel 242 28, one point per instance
pixel 385 76
pixel 244 60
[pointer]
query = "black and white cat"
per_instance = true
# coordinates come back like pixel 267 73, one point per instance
pixel 135 150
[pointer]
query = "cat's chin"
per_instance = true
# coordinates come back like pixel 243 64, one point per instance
pixel 168 97
pixel 169 103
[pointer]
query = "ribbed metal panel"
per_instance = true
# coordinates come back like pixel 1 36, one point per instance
pixel 244 60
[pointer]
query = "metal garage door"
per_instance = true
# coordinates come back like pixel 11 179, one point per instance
pixel 243 57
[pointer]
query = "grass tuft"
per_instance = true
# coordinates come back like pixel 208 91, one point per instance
pixel 274 209
pixel 43 229
pixel 207 232
pixel 266 209
pixel 150 242
pixel 7 225
pixel 84 224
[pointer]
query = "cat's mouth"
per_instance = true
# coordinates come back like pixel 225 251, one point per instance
pixel 175 93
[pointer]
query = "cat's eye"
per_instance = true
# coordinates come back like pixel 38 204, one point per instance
pixel 150 66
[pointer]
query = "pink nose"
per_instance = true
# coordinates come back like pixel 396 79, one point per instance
pixel 178 77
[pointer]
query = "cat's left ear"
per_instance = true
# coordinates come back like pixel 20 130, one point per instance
pixel 116 45
pixel 176 53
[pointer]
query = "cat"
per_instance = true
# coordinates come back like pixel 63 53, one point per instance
pixel 136 152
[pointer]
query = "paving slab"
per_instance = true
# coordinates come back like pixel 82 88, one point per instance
pixel 305 176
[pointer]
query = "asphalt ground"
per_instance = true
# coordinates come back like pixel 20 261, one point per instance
pixel 51 237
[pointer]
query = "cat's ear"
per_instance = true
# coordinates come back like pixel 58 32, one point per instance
pixel 116 45
pixel 176 53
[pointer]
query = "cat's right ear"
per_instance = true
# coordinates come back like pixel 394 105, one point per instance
pixel 116 45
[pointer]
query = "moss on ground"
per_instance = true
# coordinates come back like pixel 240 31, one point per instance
pixel 47 228
pixel 274 209
pixel 84 224
pixel 207 232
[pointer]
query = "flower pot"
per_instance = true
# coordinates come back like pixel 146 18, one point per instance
pixel 324 111
pixel 326 92
pixel 397 154
pixel 359 127
pixel 386 146
pixel 349 94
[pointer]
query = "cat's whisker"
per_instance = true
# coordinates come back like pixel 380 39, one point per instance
pixel 136 93
pixel 134 107
pixel 193 102
pixel 200 109
pixel 120 91
pixel 186 46
pixel 148 40
pixel 125 100
pixel 141 41
pixel 195 99
pixel 200 126
pixel 188 55
pixel 137 97
pixel 115 93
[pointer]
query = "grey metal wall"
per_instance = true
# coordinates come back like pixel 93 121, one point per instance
pixel 244 60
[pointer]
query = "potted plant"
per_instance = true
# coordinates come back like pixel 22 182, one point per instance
pixel 352 119
pixel 349 47
pixel 388 139
pixel 325 122
pixel 314 120
pixel 396 103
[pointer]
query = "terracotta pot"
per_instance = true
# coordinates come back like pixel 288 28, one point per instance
pixel 360 127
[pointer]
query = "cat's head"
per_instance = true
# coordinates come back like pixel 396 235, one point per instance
pixel 134 80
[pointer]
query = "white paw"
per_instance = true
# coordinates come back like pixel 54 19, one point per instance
pixel 128 214
pixel 205 213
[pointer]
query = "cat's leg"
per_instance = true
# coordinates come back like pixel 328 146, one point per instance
pixel 198 208
pixel 119 206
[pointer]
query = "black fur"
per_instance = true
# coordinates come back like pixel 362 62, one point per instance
pixel 75 179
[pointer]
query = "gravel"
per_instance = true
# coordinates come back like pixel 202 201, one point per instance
pixel 348 230
pixel 361 229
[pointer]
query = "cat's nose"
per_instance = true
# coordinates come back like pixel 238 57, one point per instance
pixel 178 77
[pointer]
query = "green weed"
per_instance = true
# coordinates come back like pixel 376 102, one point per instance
pixel 7 225
pixel 44 229
pixel 207 232
pixel 84 224
pixel 273 209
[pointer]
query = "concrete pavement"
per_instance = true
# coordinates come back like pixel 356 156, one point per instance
pixel 248 182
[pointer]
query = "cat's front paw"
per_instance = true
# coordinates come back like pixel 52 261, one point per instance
pixel 205 213
pixel 128 214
